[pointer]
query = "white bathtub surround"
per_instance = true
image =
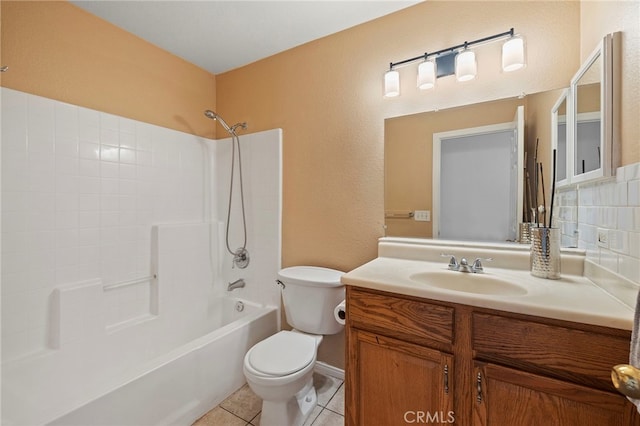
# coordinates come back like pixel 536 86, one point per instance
pixel 100 366
pixel 96 300
pixel 80 191
pixel 262 183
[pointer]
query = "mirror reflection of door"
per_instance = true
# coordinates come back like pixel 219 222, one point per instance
pixel 559 138
pixel 588 136
pixel 478 183
pixel 588 133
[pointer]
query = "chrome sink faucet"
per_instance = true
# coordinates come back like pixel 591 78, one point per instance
pixel 463 266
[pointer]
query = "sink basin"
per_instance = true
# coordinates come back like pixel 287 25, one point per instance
pixel 468 283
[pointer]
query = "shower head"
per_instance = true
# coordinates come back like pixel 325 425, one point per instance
pixel 212 115
pixel 232 130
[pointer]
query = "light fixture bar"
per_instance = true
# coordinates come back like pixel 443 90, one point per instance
pixel 452 49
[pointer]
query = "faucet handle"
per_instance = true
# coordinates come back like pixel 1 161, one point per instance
pixel 477 264
pixel 453 263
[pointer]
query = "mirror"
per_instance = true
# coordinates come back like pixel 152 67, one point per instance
pixel 560 138
pixel 591 154
pixel 408 153
pixel 409 204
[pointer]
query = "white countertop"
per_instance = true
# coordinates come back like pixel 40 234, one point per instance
pixel 571 298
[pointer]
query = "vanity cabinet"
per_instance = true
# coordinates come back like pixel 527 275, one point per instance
pixel 413 360
pixel 397 369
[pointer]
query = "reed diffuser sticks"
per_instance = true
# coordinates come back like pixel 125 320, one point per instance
pixel 553 190
pixel 539 207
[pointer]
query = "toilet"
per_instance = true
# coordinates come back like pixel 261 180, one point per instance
pixel 279 369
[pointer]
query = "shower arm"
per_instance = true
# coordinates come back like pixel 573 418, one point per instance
pixel 231 130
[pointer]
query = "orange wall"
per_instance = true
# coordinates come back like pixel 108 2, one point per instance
pixel 327 96
pixel 597 19
pixel 59 51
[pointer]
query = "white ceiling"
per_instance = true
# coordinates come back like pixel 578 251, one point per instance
pixel 222 35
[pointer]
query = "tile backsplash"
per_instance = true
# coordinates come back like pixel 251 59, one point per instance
pixel 606 217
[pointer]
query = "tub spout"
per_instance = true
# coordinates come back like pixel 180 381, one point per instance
pixel 236 284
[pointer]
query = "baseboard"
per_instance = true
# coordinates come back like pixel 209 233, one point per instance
pixel 329 370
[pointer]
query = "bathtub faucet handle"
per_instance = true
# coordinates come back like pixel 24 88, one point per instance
pixel 241 258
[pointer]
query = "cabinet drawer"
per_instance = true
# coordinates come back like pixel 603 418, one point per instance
pixel 572 354
pixel 396 316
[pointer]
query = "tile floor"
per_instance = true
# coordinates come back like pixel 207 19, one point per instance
pixel 243 407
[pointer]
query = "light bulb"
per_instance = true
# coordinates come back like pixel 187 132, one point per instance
pixel 426 75
pixel 466 66
pixel 391 83
pixel 513 54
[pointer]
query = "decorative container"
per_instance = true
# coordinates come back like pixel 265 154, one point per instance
pixel 545 252
pixel 524 233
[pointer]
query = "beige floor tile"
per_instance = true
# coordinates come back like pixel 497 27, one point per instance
pixel 329 418
pixel 219 417
pixel 314 415
pixel 256 420
pixel 243 403
pixel 337 402
pixel 326 387
pixel 243 407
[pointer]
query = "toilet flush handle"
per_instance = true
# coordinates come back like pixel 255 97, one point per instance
pixel 280 283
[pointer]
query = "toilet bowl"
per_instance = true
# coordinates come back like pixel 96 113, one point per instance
pixel 279 369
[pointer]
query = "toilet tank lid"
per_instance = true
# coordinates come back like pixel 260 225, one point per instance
pixel 311 276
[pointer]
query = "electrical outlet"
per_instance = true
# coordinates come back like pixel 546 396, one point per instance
pixel 422 215
pixel 603 238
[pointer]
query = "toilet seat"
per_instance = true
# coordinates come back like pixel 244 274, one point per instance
pixel 282 354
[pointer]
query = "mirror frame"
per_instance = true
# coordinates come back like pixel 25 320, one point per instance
pixel 609 95
pixel 555 120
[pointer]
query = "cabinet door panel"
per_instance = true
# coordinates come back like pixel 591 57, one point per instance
pixel 398 382
pixel 510 397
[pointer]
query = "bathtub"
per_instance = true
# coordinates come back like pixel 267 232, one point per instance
pixel 175 388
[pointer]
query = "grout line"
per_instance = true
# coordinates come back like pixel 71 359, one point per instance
pixel 335 412
pixel 317 416
pixel 254 417
pixel 332 396
pixel 234 414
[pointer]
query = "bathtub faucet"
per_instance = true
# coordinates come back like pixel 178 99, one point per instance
pixel 236 284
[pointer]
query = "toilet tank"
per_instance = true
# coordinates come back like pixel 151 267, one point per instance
pixel 310 295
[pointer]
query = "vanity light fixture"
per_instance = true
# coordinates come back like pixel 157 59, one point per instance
pixel 427 75
pixel 391 83
pixel 456 60
pixel 466 65
pixel 513 54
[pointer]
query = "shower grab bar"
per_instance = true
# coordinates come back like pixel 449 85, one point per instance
pixel 128 283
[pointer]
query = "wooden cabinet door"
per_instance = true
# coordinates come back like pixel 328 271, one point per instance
pixel 392 382
pixel 504 396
